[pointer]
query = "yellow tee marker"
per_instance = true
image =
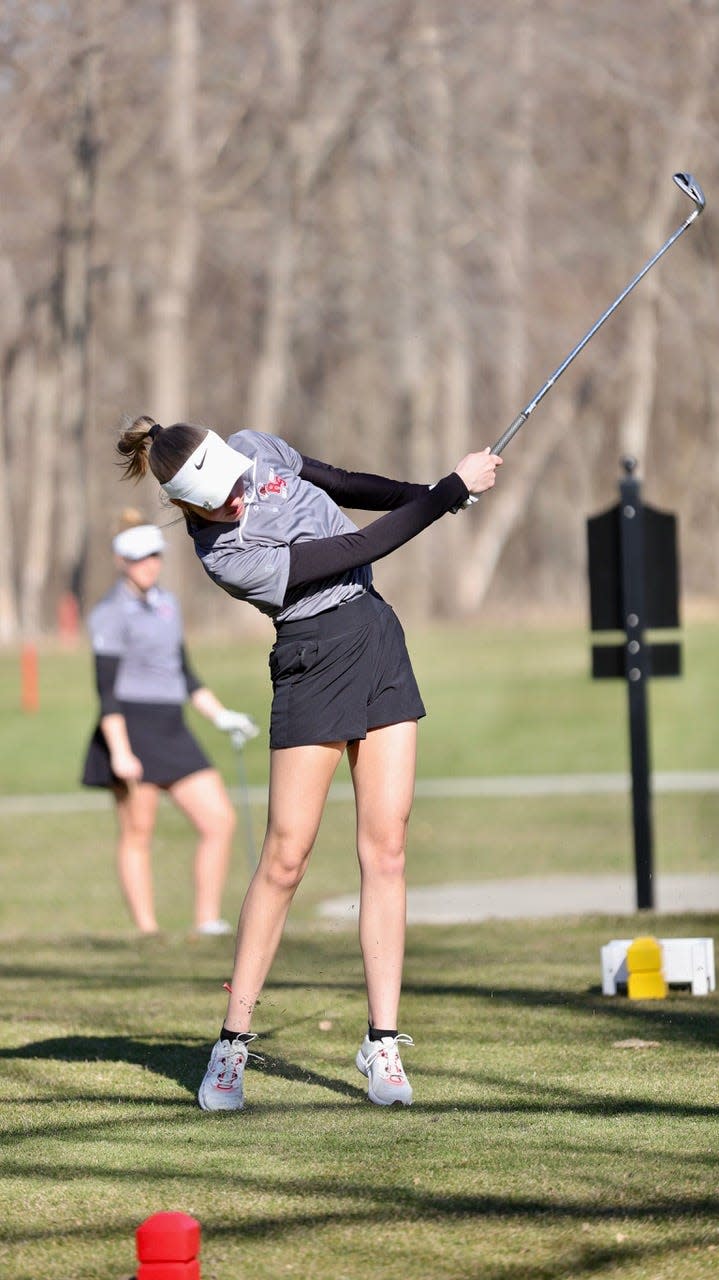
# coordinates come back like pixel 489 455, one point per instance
pixel 644 969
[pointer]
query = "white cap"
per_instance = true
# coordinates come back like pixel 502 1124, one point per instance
pixel 138 542
pixel 207 478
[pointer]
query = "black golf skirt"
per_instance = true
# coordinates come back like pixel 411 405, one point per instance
pixel 158 737
pixel 341 673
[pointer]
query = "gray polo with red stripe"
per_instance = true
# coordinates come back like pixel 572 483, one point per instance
pixel 251 560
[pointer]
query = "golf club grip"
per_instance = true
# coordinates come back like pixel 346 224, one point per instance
pixel 512 430
pixel 519 421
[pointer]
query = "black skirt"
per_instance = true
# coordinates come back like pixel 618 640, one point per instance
pixel 341 673
pixel 158 737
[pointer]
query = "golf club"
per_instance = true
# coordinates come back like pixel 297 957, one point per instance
pixel 691 188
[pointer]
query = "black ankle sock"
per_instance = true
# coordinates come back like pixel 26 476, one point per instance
pixel 376 1033
pixel 244 1036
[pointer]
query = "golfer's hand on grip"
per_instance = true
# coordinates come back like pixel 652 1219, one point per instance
pixel 478 470
pixel 240 727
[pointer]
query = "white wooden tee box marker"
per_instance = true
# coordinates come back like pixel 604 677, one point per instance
pixel 685 962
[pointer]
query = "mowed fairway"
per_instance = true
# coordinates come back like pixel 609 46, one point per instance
pixel 556 1134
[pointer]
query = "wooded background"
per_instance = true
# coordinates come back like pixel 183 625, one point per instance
pixel 374 227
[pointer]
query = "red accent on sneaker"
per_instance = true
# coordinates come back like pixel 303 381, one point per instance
pixel 220 1079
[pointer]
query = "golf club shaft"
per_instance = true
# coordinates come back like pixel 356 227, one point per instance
pixel 521 418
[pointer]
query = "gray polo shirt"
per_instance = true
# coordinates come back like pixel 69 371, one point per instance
pixel 251 560
pixel 145 634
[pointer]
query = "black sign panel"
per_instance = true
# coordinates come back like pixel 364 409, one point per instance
pixel 661 570
pixel 610 660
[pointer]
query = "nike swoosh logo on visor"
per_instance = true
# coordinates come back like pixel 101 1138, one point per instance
pixel 199 465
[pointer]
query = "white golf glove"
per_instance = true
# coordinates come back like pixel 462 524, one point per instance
pixel 240 727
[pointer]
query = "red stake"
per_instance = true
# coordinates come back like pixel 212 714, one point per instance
pixel 30 687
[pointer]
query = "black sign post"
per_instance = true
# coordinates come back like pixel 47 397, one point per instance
pixel 633 583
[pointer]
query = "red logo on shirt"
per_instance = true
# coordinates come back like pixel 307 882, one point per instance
pixel 275 487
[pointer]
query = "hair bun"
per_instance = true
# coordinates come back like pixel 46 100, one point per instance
pixel 129 517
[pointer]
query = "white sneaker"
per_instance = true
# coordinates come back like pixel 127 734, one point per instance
pixel 379 1060
pixel 222 1087
pixel 214 929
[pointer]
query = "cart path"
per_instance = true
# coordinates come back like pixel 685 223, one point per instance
pixel 564 784
pixel 539 897
pixel 528 897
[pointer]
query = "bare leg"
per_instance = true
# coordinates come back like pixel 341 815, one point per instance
pixel 204 800
pixel 136 813
pixel 300 778
pixel 383 769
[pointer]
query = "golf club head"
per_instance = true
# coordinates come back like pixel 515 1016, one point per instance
pixel 691 188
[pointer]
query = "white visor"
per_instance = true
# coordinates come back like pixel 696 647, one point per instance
pixel 209 474
pixel 138 542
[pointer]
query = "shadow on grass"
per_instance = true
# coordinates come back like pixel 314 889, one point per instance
pixel 182 1063
pixel 367 1206
pixel 700 1027
pixel 185 1064
pixel 370 1201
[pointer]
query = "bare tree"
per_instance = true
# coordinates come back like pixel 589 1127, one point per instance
pixel 44 450
pixel 76 236
pixel 502 515
pixel 643 325
pixel 177 245
pixel 10 325
pixel 373 227
pixel 312 123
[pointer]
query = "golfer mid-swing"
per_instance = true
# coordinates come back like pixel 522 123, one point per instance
pixel 267 526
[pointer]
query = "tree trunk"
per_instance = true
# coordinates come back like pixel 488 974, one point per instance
pixel 416 388
pixel 450 348
pixel 8 597
pixel 502 510
pixel 306 139
pixel 9 326
pixel 172 299
pixel 270 374
pixel 174 258
pixel 75 258
pixel 641 358
pixel 42 454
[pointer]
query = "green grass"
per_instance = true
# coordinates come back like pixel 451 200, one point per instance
pixel 499 701
pixel 538 1148
pixel 449 841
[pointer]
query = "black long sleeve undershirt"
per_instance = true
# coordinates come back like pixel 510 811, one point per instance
pixel 360 489
pixel 325 557
pixel 106 666
pixel 192 680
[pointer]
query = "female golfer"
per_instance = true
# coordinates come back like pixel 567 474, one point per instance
pixel 142 745
pixel 268 528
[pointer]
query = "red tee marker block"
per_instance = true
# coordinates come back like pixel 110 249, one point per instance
pixel 167 1247
pixel 169 1270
